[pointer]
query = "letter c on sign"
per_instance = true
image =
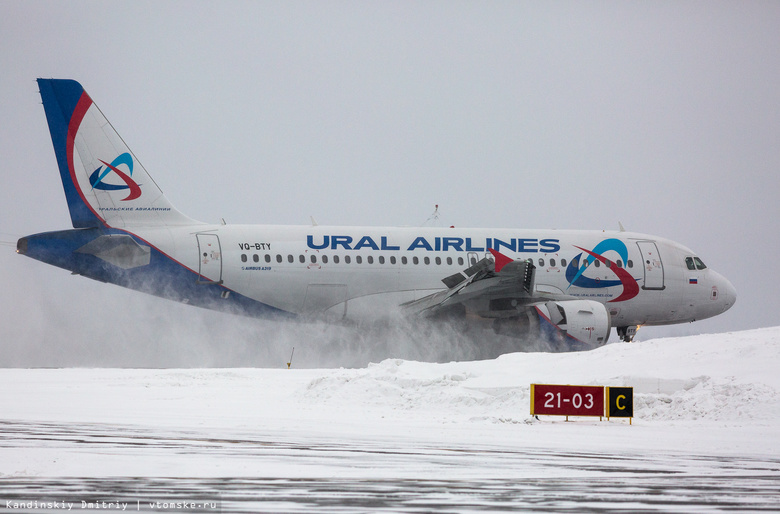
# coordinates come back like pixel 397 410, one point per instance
pixel 617 402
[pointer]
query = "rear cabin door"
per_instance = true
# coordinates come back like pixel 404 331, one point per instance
pixel 210 259
pixel 654 267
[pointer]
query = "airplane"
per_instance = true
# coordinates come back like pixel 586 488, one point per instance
pixel 566 286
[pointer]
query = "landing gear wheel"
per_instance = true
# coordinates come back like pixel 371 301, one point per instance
pixel 626 334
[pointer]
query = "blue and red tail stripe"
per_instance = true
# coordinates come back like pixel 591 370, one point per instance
pixel 66 103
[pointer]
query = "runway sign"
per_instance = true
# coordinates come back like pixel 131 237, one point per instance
pixel 567 400
pixel 620 402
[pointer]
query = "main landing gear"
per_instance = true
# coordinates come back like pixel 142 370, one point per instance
pixel 626 334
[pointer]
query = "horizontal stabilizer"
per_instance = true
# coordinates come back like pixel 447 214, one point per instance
pixel 120 250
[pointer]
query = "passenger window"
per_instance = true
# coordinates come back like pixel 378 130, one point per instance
pixel 630 263
pixel 415 260
pixel 404 260
pixel 359 259
pixel 609 263
pixel 449 261
pixel 699 264
pixel 370 259
pixel 689 263
pixel 392 259
pixel 460 261
pixel 427 260
pixel 381 259
pixel 255 257
pixel 438 260
pixel 313 259
pixel 243 257
pixel 620 263
pixel 278 258
pixel 347 259
pixel 541 263
pixel 335 259
pixel 290 259
pixel 552 262
pixel 324 259
pixel 563 263
pixel 267 258
pixel 597 263
pixel 302 259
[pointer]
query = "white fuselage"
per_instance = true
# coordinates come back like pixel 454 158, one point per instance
pixel 364 272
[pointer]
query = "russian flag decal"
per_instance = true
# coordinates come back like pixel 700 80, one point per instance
pixel 693 280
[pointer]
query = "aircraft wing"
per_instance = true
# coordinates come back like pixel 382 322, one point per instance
pixel 492 288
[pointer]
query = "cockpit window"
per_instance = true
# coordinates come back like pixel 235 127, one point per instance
pixel 694 263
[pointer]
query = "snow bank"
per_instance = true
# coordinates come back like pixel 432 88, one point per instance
pixel 709 395
pixel 720 378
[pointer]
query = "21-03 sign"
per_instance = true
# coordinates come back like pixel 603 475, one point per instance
pixel 567 400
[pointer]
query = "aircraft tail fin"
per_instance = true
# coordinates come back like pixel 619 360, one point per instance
pixel 105 184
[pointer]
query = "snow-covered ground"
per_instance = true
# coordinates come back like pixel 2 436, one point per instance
pixel 402 435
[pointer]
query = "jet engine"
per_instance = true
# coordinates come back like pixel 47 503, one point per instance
pixel 576 323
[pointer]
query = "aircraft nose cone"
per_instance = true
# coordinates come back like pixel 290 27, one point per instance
pixel 721 297
pixel 729 293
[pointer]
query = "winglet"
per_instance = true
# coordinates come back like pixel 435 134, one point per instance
pixel 501 259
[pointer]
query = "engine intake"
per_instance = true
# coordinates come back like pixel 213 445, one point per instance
pixel 585 321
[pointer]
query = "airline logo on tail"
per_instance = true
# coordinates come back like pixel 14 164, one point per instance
pixel 578 266
pixel 97 181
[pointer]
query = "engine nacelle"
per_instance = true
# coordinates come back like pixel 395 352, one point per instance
pixel 585 321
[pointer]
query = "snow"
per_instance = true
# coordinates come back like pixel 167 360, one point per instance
pixel 706 410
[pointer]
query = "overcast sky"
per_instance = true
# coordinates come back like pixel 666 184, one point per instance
pixel 664 116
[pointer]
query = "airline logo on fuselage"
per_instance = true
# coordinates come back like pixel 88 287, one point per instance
pixel 96 180
pixel 434 244
pixel 577 267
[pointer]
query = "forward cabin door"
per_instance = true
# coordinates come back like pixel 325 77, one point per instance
pixel 654 267
pixel 210 259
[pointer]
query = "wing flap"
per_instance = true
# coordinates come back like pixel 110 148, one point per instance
pixel 484 281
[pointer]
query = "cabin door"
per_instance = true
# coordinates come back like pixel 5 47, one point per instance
pixel 209 259
pixel 654 267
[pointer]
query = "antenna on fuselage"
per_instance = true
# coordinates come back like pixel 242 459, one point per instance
pixel 433 220
pixel 622 228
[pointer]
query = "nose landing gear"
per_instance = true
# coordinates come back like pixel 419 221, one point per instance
pixel 626 334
